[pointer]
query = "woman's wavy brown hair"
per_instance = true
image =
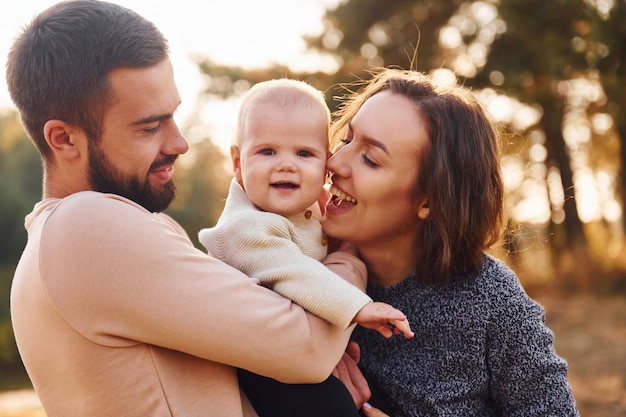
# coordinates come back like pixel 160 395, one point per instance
pixel 459 172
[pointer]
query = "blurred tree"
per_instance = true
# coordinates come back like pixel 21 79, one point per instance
pixel 366 34
pixel 606 52
pixel 529 60
pixel 20 169
pixel 358 35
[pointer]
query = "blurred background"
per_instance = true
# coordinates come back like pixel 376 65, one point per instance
pixel 553 73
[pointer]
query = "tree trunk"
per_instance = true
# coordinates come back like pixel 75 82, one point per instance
pixel 621 186
pixel 571 259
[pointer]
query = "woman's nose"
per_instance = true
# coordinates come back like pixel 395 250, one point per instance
pixel 338 164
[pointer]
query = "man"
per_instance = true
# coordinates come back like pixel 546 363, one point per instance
pixel 114 311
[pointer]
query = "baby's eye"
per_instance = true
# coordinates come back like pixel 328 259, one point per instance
pixel 267 151
pixel 304 154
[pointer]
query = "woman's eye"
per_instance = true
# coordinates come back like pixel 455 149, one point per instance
pixel 369 162
pixel 341 144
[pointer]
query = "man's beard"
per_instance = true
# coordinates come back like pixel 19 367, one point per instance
pixel 106 179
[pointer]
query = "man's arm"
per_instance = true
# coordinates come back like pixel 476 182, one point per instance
pixel 123 276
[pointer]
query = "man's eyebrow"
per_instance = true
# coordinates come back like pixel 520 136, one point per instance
pixel 372 142
pixel 154 118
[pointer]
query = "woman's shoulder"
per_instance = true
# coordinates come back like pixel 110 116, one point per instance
pixel 495 273
pixel 503 288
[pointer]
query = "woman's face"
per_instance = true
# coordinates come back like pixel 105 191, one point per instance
pixel 375 174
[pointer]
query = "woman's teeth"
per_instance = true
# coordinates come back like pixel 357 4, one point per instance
pixel 341 196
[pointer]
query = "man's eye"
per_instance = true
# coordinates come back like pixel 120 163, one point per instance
pixel 154 129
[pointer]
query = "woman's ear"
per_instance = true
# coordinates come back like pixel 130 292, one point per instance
pixel 423 210
pixel 63 139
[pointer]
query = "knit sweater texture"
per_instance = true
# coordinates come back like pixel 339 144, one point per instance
pixel 481 348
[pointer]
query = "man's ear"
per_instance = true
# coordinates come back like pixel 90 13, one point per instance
pixel 423 209
pixel 63 138
pixel 235 156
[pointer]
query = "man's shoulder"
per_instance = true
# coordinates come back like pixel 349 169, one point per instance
pixel 96 201
pixel 90 211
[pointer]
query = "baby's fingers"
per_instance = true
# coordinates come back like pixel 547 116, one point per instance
pixel 402 326
pixel 384 330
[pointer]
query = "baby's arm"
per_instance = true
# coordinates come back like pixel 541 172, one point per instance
pixel 377 316
pixel 260 245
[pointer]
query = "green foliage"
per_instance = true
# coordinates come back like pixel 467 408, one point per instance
pixel 20 188
pixel 21 171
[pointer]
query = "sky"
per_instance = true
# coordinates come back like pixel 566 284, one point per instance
pixel 249 33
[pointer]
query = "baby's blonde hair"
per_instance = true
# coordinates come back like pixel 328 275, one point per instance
pixel 280 92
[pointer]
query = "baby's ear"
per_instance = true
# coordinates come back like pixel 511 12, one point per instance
pixel 235 157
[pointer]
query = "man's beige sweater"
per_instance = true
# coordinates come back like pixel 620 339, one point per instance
pixel 116 313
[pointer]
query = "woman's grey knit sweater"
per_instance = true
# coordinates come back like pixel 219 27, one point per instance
pixel 481 348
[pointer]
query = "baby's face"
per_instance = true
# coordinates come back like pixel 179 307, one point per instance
pixel 282 159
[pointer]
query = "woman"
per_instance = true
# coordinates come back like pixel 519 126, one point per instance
pixel 417 190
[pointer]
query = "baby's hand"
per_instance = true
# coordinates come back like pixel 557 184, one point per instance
pixel 377 316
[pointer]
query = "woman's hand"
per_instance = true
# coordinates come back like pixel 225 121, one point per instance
pixel 370 411
pixel 348 372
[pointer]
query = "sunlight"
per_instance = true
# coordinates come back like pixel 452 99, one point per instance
pixel 21 403
pixel 601 123
pixel 450 37
pixel 533 208
pixel 512 172
pixel 605 183
pixel 587 197
pixel 443 77
pixel 603 6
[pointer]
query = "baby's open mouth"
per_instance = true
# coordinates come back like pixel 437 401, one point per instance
pixel 284 185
